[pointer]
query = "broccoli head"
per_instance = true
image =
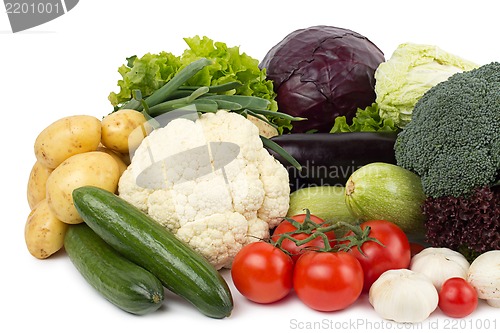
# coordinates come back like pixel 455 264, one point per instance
pixel 453 139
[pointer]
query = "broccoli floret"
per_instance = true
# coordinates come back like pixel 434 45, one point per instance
pixel 453 139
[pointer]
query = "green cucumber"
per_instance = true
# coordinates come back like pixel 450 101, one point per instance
pixel 384 191
pixel 141 239
pixel 120 281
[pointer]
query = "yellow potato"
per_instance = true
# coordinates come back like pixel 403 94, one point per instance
pixel 66 137
pixel 117 127
pixel 94 168
pixel 43 232
pixel 36 183
pixel 117 156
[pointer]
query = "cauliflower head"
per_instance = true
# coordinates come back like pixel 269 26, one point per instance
pixel 210 182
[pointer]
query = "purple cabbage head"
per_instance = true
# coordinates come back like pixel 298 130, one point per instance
pixel 322 72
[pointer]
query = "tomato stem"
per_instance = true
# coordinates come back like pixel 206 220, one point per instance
pixel 357 239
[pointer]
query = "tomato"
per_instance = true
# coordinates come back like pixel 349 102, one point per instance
pixel 377 259
pixel 327 281
pixel 415 248
pixel 262 273
pixel 457 298
pixel 289 246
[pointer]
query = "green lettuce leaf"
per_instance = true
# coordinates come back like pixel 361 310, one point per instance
pixel 151 71
pixel 366 120
pixel 146 74
pixel 229 65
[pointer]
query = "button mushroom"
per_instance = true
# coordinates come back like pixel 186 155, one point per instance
pixel 484 276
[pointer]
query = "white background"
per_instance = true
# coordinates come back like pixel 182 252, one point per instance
pixel 68 66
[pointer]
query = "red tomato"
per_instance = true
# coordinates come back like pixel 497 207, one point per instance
pixel 290 246
pixel 327 281
pixel 262 273
pixel 415 248
pixel 395 253
pixel 457 298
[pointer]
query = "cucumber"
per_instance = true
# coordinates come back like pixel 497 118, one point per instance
pixel 141 239
pixel 384 191
pixel 120 281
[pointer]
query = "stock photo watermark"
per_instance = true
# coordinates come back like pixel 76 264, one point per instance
pixel 483 324
pixel 26 14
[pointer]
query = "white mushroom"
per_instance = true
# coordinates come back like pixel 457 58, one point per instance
pixel 484 276
pixel 403 296
pixel 439 264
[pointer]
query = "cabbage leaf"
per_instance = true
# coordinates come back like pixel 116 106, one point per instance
pixel 412 70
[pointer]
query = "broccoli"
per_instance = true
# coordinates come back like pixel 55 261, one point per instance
pixel 453 139
pixel 453 144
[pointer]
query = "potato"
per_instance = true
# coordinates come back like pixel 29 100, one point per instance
pixel 36 183
pixel 43 232
pixel 117 156
pixel 67 137
pixel 117 127
pixel 94 168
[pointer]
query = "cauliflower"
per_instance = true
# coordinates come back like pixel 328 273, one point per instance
pixel 210 182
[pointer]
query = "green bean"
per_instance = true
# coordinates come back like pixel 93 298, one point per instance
pixel 280 151
pixel 278 115
pixel 216 88
pixel 197 93
pixel 264 119
pixel 246 102
pixel 227 105
pixel 201 106
pixel 171 86
pixel 169 105
pixel 180 93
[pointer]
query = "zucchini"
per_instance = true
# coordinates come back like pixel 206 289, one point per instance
pixel 329 159
pixel 141 239
pixel 120 281
pixel 327 202
pixel 383 191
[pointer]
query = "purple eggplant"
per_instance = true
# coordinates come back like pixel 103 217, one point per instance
pixel 329 159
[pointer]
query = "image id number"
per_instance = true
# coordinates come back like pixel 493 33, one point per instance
pixel 32 8
pixel 475 324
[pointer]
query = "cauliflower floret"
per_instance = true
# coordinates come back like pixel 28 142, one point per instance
pixel 210 181
pixel 276 195
pixel 133 193
pixel 217 237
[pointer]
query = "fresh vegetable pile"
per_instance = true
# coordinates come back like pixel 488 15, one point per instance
pixel 324 169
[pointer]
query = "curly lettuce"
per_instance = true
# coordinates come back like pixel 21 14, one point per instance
pixel 366 120
pixel 151 71
pixel 147 74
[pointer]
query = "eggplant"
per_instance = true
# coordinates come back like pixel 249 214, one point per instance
pixel 329 159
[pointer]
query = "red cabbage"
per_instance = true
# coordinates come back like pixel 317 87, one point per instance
pixel 322 72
